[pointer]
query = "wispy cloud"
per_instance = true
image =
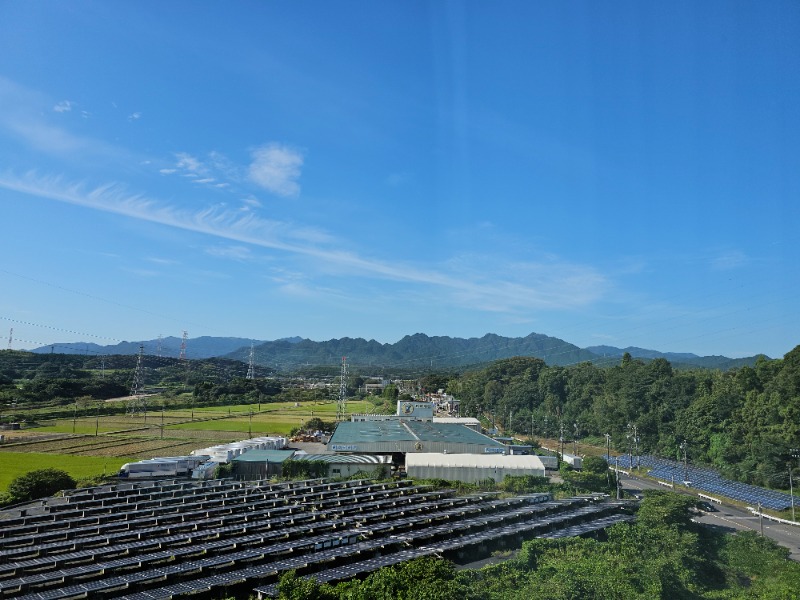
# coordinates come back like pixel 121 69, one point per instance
pixel 727 261
pixel 24 117
pixel 276 168
pixel 63 106
pixel 240 253
pixel 134 116
pixel 190 164
pixel 479 284
pixel 167 262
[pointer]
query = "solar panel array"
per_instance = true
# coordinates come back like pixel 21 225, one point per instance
pixel 707 480
pixel 172 539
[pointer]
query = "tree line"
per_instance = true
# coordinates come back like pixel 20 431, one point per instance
pixel 744 422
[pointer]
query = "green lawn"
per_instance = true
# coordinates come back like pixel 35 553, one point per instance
pixel 79 467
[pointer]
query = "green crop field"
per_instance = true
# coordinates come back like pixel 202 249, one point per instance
pixel 86 445
pixel 79 467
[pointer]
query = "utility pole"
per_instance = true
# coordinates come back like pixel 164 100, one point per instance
pixel 608 457
pixel 793 453
pixel 138 403
pixel 251 368
pixel 575 440
pixel 684 446
pixel 561 440
pixel 616 473
pixel 633 440
pixel 341 405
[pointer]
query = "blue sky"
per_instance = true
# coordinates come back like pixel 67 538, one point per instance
pixel 607 173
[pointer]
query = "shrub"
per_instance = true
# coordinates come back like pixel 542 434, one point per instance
pixel 39 484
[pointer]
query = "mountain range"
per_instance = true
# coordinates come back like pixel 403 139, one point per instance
pixel 412 352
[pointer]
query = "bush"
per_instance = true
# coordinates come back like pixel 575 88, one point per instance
pixel 39 484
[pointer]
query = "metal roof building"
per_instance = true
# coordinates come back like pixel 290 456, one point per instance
pixel 392 436
pixel 471 468
pixel 260 464
pixel 345 465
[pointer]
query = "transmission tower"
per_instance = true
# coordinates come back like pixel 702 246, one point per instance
pixel 341 405
pixel 138 403
pixel 251 369
pixel 183 345
pixel 10 337
pixel 158 348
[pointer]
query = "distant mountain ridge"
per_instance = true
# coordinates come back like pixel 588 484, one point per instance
pixel 675 358
pixel 413 351
pixel 197 348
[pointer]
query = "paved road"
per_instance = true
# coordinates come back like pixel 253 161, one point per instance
pixel 733 518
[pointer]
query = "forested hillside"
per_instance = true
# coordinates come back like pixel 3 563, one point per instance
pixel 743 421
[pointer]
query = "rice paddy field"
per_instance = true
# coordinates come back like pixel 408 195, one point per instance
pixel 91 446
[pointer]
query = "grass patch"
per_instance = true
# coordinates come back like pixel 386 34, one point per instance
pixel 79 467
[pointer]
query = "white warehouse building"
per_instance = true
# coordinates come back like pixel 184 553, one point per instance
pixel 471 468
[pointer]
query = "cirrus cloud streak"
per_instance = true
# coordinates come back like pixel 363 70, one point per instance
pixel 495 286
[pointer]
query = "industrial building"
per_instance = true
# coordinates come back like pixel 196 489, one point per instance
pixel 263 464
pixel 347 465
pixel 400 436
pixel 260 464
pixel 472 468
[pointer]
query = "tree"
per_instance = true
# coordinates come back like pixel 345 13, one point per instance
pixel 595 464
pixel 390 392
pixel 662 508
pixel 39 484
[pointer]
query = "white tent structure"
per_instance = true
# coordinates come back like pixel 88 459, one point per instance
pixel 471 468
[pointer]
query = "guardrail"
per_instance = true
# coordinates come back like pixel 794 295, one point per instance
pixel 710 498
pixel 771 518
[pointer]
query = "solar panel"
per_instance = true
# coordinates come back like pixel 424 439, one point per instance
pixel 228 533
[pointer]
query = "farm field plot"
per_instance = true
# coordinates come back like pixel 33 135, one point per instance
pixel 139 447
pixel 111 440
